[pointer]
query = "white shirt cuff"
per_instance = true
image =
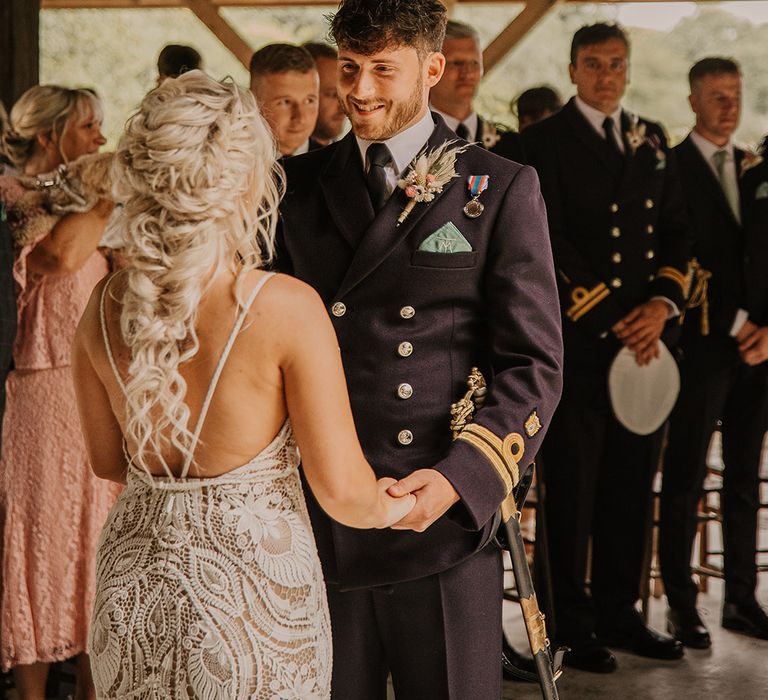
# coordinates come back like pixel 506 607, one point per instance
pixel 742 316
pixel 673 312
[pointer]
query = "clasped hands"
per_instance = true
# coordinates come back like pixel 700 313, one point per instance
pixel 641 329
pixel 434 496
pixel 753 343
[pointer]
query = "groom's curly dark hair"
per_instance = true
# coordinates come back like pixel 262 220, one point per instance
pixel 368 26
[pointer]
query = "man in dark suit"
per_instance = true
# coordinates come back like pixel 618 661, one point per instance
pixel 465 280
pixel 724 370
pixel 331 119
pixel 286 84
pixel 453 96
pixel 619 238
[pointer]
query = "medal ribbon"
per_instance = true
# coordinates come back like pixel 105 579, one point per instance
pixel 477 184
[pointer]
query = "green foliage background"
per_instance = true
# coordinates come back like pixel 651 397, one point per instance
pixel 115 51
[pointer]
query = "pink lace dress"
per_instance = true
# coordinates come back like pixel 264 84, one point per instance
pixel 52 507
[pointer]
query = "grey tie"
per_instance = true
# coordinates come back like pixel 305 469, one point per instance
pixel 729 184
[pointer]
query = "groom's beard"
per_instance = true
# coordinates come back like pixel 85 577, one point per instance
pixel 393 117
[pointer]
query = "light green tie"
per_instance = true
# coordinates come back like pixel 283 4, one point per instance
pixel 729 184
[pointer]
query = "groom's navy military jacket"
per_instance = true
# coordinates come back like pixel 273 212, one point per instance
pixel 412 323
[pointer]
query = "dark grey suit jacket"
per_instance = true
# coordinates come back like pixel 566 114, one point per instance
pixel 494 307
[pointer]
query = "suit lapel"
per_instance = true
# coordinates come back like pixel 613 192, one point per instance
pixel 591 139
pixel 479 132
pixel 345 192
pixel 707 179
pixel 383 234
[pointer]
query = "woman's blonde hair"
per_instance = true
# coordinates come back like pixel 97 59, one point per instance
pixel 44 109
pixel 197 175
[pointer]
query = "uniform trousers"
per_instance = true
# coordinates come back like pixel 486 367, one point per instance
pixel 439 636
pixel 716 384
pixel 598 479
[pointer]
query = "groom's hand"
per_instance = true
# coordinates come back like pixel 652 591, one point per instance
pixel 434 496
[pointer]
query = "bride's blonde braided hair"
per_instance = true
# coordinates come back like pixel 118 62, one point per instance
pixel 197 176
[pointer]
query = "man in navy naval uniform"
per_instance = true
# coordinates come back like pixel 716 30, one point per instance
pixel 724 370
pixel 465 280
pixel 453 96
pixel 620 243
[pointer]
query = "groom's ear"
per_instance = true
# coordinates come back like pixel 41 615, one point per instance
pixel 435 65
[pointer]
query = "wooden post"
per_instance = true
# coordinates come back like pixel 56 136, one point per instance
pixel 19 48
pixel 209 15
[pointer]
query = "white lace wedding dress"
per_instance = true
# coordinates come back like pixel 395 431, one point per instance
pixel 212 588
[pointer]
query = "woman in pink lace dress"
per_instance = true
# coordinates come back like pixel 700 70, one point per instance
pixel 51 507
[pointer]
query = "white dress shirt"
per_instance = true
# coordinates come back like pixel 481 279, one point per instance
pixel 596 118
pixel 471 122
pixel 708 150
pixel 404 147
pixel 304 148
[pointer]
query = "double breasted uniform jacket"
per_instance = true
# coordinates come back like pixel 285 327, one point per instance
pixel 619 233
pixel 412 323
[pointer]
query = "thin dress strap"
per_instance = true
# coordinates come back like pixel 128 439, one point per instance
pixel 217 373
pixel 105 335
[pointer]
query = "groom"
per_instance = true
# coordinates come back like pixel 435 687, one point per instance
pixel 415 306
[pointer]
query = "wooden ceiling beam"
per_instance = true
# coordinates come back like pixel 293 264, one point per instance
pixel 209 15
pixel 533 12
pixel 123 4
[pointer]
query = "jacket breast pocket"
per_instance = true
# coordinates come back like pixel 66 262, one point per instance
pixel 425 258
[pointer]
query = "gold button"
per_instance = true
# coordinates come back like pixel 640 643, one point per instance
pixel 615 283
pixel 405 391
pixel 614 207
pixel 616 257
pixel 615 232
pixel 405 349
pixel 649 204
pixel 407 312
pixel 405 437
pixel 339 309
pixel 649 254
pixel 649 229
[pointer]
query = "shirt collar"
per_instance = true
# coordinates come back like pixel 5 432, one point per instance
pixel 406 145
pixel 708 149
pixel 304 148
pixel 471 122
pixel 595 117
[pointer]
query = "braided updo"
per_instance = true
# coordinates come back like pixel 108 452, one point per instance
pixel 196 172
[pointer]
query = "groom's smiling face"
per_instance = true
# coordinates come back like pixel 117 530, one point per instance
pixel 384 93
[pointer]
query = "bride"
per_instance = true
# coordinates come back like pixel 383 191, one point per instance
pixel 200 377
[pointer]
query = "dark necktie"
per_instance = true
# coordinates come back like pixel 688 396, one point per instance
pixel 378 157
pixel 610 136
pixel 462 132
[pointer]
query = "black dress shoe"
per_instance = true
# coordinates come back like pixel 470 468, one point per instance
pixel 631 634
pixel 516 666
pixel 747 617
pixel 686 626
pixel 589 656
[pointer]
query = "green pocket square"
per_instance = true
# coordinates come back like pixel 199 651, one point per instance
pixel 447 239
pixel 762 191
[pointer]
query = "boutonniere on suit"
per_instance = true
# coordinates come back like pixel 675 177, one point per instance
pixel 490 135
pixel 428 174
pixel 749 161
pixel 762 191
pixel 637 137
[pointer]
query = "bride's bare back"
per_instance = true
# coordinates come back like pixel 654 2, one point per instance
pixel 284 362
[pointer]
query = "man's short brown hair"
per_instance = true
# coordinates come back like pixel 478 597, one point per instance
pixel 597 33
pixel 279 58
pixel 319 50
pixel 712 65
pixel 176 59
pixel 367 27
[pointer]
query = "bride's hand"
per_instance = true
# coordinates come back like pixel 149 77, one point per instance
pixel 395 509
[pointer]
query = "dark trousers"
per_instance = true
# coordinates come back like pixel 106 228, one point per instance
pixel 715 385
pixel 439 636
pixel 598 480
